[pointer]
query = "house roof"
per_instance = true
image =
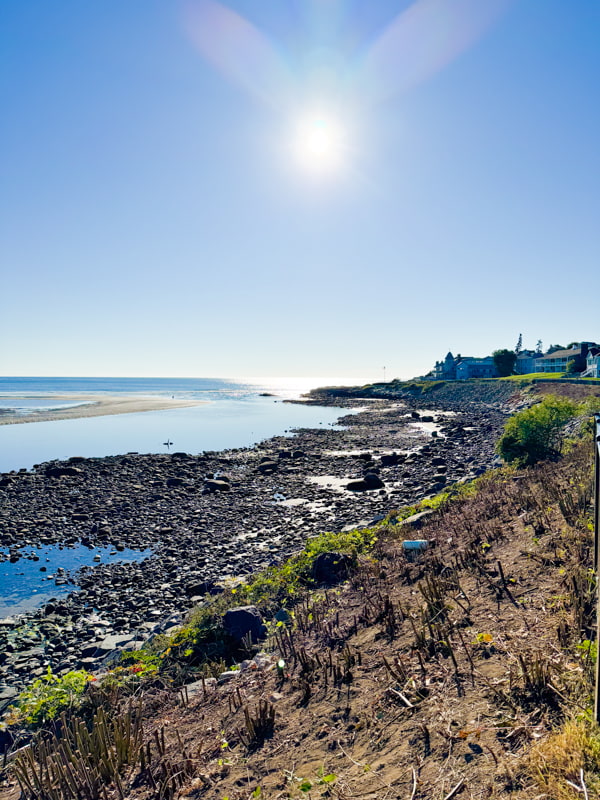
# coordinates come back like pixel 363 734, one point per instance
pixel 571 352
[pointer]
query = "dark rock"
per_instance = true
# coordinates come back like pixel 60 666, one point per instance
pixel 201 587
pixel 331 567
pixel 357 486
pixel 267 466
pixel 217 486
pixel 370 482
pixel 62 471
pixel 173 482
pixel 244 621
pixel 390 459
pixel 373 481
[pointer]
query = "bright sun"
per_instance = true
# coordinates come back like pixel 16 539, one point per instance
pixel 319 144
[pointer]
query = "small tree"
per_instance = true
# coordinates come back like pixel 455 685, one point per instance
pixel 536 433
pixel 504 361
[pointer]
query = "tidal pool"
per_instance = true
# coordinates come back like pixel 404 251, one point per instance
pixel 31 581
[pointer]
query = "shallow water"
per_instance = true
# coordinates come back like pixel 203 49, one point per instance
pixel 216 425
pixel 28 584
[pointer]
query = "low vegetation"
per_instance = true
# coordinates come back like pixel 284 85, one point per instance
pixel 537 433
pixel 48 697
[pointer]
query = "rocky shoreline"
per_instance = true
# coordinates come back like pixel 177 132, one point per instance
pixel 219 516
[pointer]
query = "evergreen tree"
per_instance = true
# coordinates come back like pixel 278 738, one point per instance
pixel 519 345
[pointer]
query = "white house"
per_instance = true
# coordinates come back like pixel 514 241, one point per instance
pixel 592 363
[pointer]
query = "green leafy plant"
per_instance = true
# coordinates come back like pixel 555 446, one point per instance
pixel 536 433
pixel 47 697
pixel 588 650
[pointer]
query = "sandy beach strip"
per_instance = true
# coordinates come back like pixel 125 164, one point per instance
pixel 96 406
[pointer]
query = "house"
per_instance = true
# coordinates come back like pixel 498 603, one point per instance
pixel 526 362
pixel 557 361
pixel 469 367
pixel 463 367
pixel 592 363
pixel 445 370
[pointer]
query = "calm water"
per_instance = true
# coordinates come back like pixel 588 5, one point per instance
pixel 28 584
pixel 234 415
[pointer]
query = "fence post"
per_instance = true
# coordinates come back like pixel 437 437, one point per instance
pixel 597 559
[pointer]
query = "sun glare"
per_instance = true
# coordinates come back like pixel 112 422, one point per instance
pixel 319 144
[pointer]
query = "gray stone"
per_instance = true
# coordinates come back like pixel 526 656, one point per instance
pixel 417 520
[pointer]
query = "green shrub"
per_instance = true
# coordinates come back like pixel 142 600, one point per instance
pixel 536 433
pixel 47 697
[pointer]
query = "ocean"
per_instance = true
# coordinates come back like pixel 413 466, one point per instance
pixel 235 413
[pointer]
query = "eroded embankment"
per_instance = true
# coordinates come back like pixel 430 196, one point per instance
pixel 438 677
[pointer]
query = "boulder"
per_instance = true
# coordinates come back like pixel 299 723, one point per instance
pixel 417 520
pixel 267 467
pixel 331 567
pixel 373 481
pixel 198 588
pixel 244 621
pixel 391 459
pixel 217 486
pixel 357 486
pixel 59 472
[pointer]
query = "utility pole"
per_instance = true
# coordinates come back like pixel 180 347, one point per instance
pixel 597 558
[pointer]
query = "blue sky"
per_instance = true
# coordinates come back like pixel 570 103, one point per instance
pixel 156 220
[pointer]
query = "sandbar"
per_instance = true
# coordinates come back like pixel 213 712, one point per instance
pixel 96 406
